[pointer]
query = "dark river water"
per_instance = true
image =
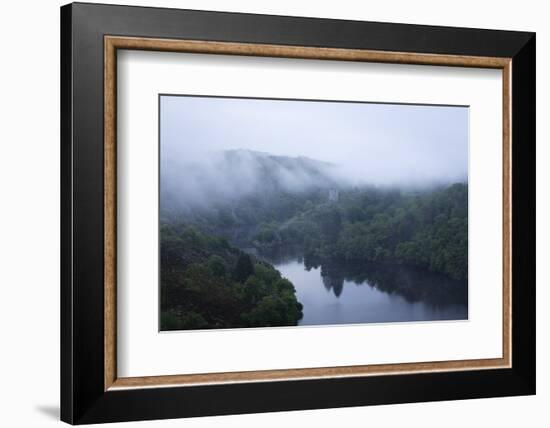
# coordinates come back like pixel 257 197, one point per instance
pixel 342 293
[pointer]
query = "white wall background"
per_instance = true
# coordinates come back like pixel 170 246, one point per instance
pixel 29 214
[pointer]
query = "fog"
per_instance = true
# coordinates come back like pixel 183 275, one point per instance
pixel 214 148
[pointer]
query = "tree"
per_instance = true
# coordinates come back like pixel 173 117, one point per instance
pixel 216 265
pixel 331 223
pixel 244 268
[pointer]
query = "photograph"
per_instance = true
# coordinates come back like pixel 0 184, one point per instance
pixel 287 212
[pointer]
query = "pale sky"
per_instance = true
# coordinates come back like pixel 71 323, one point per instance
pixel 374 143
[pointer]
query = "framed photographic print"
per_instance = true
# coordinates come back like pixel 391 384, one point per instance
pixel 265 213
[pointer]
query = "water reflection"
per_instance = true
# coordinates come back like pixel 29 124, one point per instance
pixel 335 292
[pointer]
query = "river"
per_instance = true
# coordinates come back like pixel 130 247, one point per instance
pixel 344 293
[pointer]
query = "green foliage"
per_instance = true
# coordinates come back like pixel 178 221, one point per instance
pixel 273 310
pixel 216 265
pixel 268 234
pixel 205 283
pixel 427 229
pixel 266 273
pixel 243 268
pixel 171 320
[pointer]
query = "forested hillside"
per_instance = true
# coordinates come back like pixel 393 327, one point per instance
pixel 206 283
pixel 429 229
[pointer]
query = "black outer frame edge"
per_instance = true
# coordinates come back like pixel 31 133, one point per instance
pixel 66 305
pixel 300 31
pixel 83 398
pixel 524 213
